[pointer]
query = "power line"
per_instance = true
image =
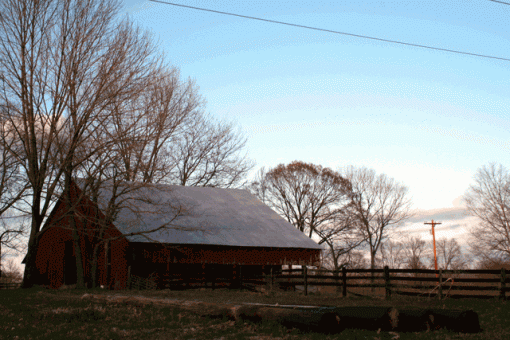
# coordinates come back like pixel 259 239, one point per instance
pixel 500 2
pixel 336 32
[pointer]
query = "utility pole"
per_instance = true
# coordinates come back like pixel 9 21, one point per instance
pixel 434 240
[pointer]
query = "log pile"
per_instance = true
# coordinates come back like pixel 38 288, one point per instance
pixel 465 321
pixel 320 319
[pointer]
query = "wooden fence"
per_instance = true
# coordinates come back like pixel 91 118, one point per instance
pixel 385 282
pixel 421 282
pixel 9 285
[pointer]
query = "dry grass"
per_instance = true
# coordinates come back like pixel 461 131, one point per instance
pixel 62 314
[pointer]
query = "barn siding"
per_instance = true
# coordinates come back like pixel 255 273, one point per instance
pixel 225 254
pixel 168 262
pixel 51 248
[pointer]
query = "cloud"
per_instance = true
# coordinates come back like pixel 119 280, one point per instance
pixel 458 202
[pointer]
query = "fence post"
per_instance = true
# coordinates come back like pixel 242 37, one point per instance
pixel 387 282
pixel 305 277
pixel 294 282
pixel 129 277
pixel 344 282
pixel 272 279
pixel 440 289
pixel 336 280
pixel 240 277
pixel 502 293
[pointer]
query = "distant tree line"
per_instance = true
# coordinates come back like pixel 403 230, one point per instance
pixel 343 210
pixel 354 210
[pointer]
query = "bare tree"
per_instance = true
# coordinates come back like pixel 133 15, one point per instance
pixel 308 196
pixel 63 65
pixel 392 255
pixel 10 272
pixel 13 184
pixel 102 179
pixel 315 200
pixel 13 188
pixel 493 264
pixel 379 203
pixel 209 153
pixel 356 260
pixel 71 71
pixel 12 227
pixel 143 132
pixel 342 235
pixel 163 136
pixel 415 252
pixel 147 128
pixel 449 254
pixel 489 200
pixel 353 259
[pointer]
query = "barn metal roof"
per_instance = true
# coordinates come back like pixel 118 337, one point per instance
pixel 203 215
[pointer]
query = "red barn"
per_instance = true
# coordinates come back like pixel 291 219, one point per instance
pixel 165 232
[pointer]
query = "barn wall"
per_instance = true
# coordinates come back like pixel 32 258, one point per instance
pixel 51 248
pixel 50 258
pixel 225 254
pixel 210 262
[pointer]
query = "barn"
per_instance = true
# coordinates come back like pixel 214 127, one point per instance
pixel 167 233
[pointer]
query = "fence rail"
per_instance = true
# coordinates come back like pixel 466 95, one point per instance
pixel 10 285
pixel 445 279
pixel 421 282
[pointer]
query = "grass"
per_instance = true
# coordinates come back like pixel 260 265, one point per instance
pixel 62 314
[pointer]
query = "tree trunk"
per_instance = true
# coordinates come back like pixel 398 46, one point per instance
pixel 30 272
pixel 93 269
pixel 95 254
pixel 80 280
pixel 97 224
pixel 372 266
pixel 336 273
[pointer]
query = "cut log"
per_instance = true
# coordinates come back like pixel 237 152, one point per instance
pixel 319 319
pixel 415 320
pixel 322 319
pixel 371 317
pixel 465 321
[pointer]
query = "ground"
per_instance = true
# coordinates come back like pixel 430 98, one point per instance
pixel 57 314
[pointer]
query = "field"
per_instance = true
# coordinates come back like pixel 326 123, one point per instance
pixel 63 314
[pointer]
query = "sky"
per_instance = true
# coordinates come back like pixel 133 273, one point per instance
pixel 427 118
